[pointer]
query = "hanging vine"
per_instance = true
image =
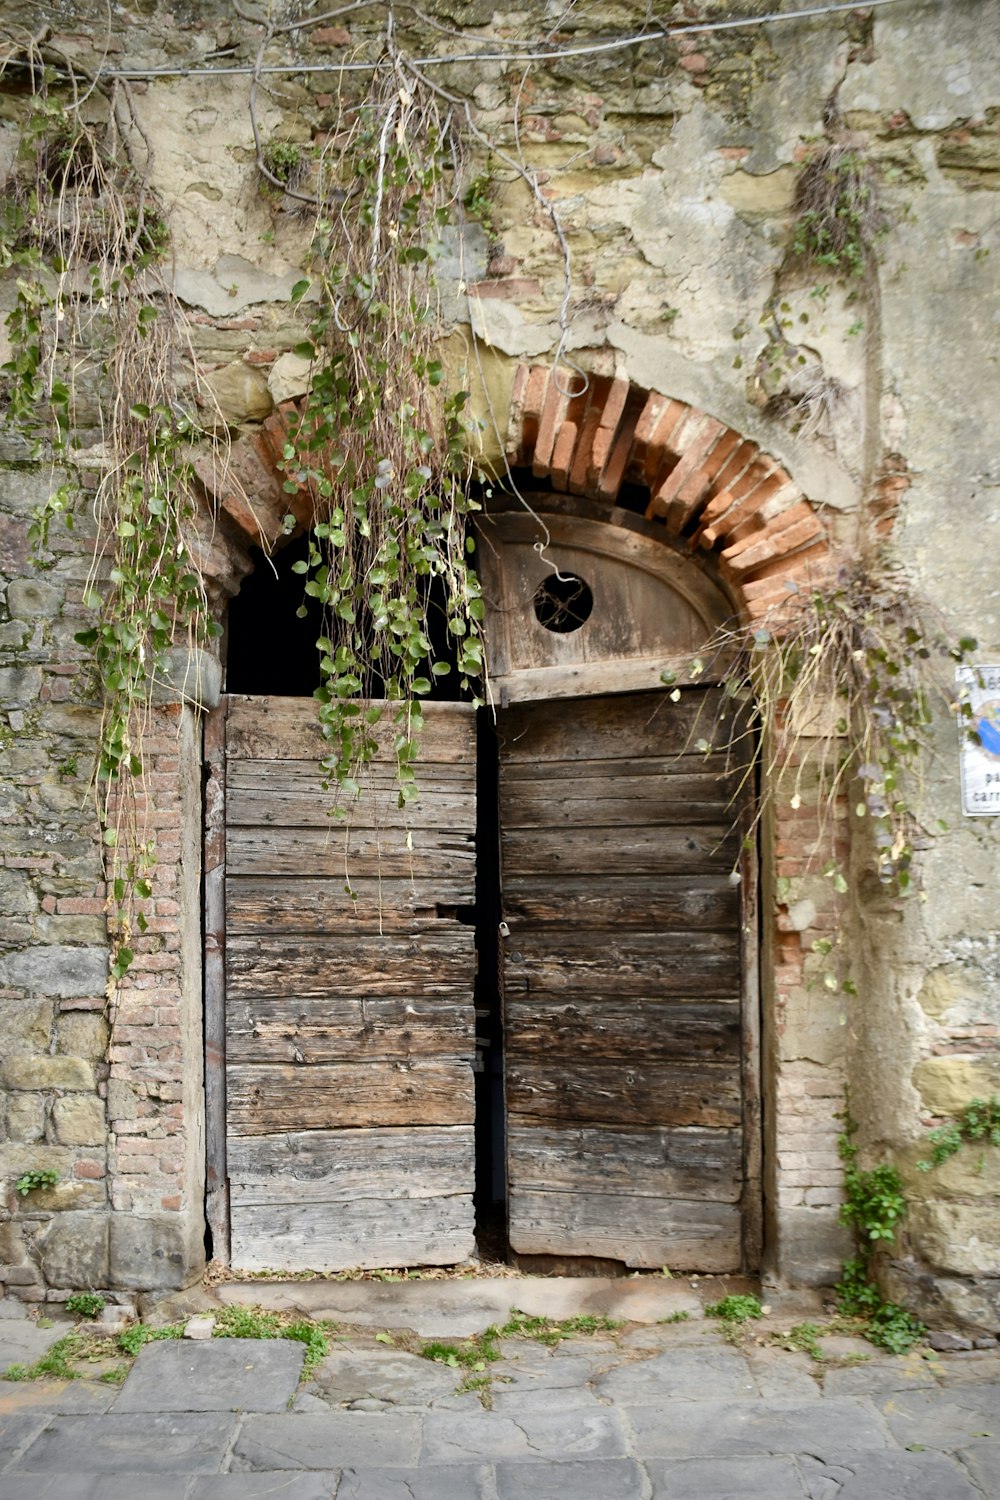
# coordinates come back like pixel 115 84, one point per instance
pixel 94 317
pixel 380 443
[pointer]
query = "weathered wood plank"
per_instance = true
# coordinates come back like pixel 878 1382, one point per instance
pixel 691 902
pixel 622 802
pixel 265 1098
pixel 288 729
pixel 605 728
pixel 370 1233
pixel 613 1029
pixel 393 964
pixel 291 795
pixel 641 1232
pixel 422 855
pixel 546 963
pixel 334 1029
pixel 331 1166
pixel 699 850
pixel 294 903
pixel 571 1093
pixel 678 1163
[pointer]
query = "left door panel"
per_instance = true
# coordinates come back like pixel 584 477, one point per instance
pixel 350 1024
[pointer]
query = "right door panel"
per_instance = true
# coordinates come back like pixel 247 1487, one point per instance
pixel 623 1018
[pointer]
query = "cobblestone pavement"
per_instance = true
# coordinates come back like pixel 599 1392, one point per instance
pixel 656 1411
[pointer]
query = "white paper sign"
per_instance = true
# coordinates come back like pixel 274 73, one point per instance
pixel 980 688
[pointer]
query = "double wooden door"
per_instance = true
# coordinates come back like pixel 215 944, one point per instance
pixel 349 974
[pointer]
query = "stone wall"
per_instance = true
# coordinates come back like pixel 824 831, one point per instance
pixel 672 169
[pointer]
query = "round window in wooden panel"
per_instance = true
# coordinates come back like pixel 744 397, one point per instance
pixel 563 602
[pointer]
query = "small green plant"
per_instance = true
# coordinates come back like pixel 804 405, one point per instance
pixel 738 1308
pixel 284 161
pixel 86 1304
pixel 468 1355
pixel 115 1376
pixel 979 1121
pixel 131 1340
pixel 246 1323
pixel 17 1372
pixel 315 1339
pixel 677 1317
pixel 874 1206
pixel 479 1385
pixel 38 1177
pixel 803 1337
pixel 839 218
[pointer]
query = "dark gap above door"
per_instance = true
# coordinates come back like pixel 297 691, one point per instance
pixel 271 649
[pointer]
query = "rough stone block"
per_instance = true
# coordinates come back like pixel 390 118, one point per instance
pixel 83 1035
pixel 188 676
pixel 27 598
pixel 593 1479
pixel 963 1238
pixel 57 970
pixel 726 1479
pixel 20 686
pixel 947 1084
pixel 29 1072
pixel 79 1121
pixel 74 1250
pixel 25 1117
pixel 156 1254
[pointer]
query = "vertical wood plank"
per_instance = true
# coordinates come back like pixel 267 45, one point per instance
pixel 217 1206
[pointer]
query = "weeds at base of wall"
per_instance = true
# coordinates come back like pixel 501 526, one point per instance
pixel 874 1207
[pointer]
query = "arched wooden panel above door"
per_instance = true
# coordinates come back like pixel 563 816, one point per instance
pixel 578 605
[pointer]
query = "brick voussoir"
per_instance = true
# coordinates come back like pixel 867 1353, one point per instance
pixel 743 559
pixel 523 432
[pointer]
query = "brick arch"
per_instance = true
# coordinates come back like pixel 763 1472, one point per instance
pixel 709 486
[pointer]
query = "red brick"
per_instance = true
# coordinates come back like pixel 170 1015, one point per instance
pixel 698 440
pixel 746 557
pixel 660 452
pixel 89 1171
pixel 330 36
pixel 562 457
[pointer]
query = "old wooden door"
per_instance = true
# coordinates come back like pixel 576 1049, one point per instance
pixel 349 1021
pixel 629 1081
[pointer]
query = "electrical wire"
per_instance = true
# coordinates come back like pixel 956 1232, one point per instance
pixel 542 54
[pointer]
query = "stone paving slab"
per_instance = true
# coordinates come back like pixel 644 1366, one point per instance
pixel 888 1476
pixel 286 1484
pixel 18 1429
pixel 982 1462
pixel 727 1479
pixel 347 1376
pixel 445 1482
pixel 338 1439
pixel 528 1435
pixel 944 1419
pixel 143 1443
pixel 62 1396
pixel 95 1486
pixel 719 1429
pixel 879 1377
pixel 23 1342
pixel 785 1374
pixel 178 1375
pixel 683 1375
pixel 593 1479
pixel 511 1401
